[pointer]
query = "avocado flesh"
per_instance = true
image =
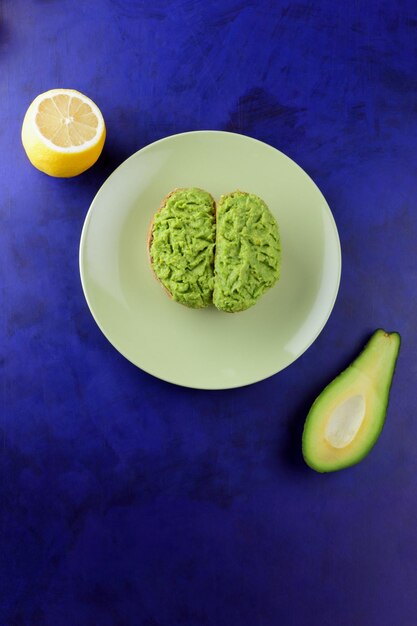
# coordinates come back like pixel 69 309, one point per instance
pixel 346 419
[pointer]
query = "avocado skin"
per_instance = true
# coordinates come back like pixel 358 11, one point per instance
pixel 357 457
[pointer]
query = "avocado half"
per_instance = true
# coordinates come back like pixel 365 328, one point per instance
pixel 347 418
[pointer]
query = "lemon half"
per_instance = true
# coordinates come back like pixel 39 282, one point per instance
pixel 63 132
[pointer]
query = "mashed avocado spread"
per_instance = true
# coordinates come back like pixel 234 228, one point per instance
pixel 182 246
pixel 248 251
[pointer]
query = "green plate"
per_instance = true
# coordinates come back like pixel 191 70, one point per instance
pixel 207 349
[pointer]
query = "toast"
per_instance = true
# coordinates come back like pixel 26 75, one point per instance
pixel 180 243
pixel 248 251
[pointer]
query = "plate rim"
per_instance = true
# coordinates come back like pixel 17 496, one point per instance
pixel 147 370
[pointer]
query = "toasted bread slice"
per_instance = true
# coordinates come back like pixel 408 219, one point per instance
pixel 248 251
pixel 150 237
pixel 181 240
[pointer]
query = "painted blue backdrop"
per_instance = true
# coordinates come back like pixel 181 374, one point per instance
pixel 128 501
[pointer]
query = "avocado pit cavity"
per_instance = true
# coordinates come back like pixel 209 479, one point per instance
pixel 345 421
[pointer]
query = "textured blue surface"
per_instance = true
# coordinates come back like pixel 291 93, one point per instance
pixel 128 501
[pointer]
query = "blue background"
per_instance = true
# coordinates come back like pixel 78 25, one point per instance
pixel 129 501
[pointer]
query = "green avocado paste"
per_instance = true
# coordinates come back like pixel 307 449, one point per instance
pixel 182 246
pixel 248 251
